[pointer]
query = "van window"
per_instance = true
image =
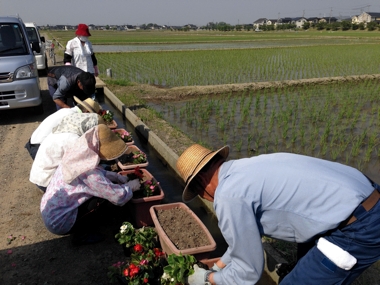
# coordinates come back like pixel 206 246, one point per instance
pixel 12 41
pixel 33 38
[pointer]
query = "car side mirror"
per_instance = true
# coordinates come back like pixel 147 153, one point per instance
pixel 42 39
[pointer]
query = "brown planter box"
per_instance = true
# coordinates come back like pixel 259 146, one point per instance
pixel 140 206
pixel 130 149
pixel 167 245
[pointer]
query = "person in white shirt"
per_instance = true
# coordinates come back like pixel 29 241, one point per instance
pixel 51 150
pixel 47 125
pixel 79 51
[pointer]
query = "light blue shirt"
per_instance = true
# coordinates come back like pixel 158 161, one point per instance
pixel 284 196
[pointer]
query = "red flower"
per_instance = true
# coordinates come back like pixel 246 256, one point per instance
pixel 138 248
pixel 126 272
pixel 134 271
pixel 158 252
pixel 138 172
pixel 145 280
pixel 144 262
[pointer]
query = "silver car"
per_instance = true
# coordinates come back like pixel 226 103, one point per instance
pixel 19 82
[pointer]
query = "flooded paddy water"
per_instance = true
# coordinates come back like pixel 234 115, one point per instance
pixel 338 122
pixel 229 45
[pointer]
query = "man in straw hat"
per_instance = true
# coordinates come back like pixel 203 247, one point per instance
pixel 333 210
pixel 66 81
pixel 80 185
pixel 47 125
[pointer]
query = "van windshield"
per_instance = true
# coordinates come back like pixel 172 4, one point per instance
pixel 12 41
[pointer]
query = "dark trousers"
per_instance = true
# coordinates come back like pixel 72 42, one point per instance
pixel 32 149
pixel 87 215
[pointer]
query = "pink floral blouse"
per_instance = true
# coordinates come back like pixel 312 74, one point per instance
pixel 59 205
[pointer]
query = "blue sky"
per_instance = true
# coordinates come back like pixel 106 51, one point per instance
pixel 176 12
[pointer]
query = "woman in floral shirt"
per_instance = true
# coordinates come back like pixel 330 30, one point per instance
pixel 78 179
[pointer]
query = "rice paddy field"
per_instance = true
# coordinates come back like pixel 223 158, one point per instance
pixel 338 122
pixel 213 67
pixel 335 121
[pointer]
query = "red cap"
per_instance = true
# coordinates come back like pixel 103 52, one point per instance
pixel 83 30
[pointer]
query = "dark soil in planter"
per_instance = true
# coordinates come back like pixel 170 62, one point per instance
pixel 181 228
pixel 127 159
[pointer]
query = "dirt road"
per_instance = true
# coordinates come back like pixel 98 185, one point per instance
pixel 29 254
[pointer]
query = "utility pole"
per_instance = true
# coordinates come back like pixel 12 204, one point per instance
pixel 330 15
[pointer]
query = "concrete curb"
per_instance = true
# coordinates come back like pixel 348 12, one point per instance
pixel 166 153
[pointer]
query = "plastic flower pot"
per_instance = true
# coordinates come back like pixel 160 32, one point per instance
pixel 201 252
pixel 121 131
pixel 140 206
pixel 124 162
pixel 112 125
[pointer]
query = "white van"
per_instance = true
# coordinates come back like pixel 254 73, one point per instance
pixel 19 81
pixel 38 47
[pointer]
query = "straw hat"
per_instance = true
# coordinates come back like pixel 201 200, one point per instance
pixel 110 145
pixel 191 161
pixel 101 120
pixel 89 104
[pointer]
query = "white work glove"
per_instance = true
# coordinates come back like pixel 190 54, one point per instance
pixel 116 178
pixel 68 63
pixel 198 277
pixel 134 184
pixel 215 268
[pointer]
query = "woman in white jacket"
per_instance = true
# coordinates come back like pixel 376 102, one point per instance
pixel 79 51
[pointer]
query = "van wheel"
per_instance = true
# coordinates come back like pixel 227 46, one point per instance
pixel 38 110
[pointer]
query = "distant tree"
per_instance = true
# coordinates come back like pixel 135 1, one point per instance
pixel 335 26
pixel 321 26
pixel 306 26
pixel 238 27
pixel 355 26
pixel 361 26
pixel 371 26
pixel 346 25
pixel 107 27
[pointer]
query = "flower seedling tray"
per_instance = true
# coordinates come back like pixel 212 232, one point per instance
pixel 140 206
pixel 130 149
pixel 121 131
pixel 201 252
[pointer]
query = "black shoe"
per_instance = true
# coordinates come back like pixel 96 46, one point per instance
pixel 83 239
pixel 283 269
